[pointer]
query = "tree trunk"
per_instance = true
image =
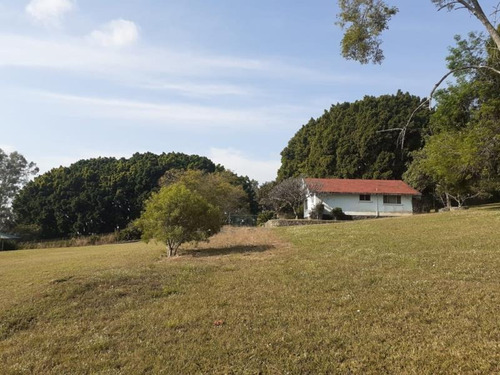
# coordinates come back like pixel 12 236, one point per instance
pixel 448 201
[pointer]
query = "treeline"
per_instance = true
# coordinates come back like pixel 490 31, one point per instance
pixel 102 195
pixel 349 141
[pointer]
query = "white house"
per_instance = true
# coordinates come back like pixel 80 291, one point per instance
pixel 360 197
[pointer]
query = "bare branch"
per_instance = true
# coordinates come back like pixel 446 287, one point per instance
pixel 428 100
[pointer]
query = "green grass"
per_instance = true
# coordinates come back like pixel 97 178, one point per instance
pixel 416 295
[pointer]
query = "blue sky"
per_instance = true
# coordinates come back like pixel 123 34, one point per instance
pixel 231 80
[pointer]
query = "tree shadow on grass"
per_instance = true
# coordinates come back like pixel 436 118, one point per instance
pixel 220 251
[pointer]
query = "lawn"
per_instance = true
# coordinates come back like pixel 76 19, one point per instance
pixel 414 295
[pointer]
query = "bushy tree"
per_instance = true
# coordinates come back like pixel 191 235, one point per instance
pixel 350 141
pixel 176 215
pixel 15 171
pixel 461 159
pixel 221 189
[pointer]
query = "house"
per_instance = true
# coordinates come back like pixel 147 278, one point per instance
pixel 360 197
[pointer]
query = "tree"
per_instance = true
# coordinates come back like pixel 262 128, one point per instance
pixel 449 162
pixel 15 171
pixel 347 142
pixel 176 215
pixel 221 189
pixel 97 195
pixel 288 194
pixel 461 159
pixel 364 21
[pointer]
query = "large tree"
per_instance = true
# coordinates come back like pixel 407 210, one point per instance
pixel 15 171
pixel 349 141
pixel 462 157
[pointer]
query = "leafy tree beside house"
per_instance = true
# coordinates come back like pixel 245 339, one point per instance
pixel 348 141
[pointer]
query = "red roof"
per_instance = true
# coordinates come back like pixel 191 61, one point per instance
pixel 338 185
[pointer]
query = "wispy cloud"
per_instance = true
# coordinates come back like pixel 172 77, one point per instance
pixel 237 161
pixel 203 89
pixel 49 12
pixel 116 33
pixel 81 56
pixel 173 115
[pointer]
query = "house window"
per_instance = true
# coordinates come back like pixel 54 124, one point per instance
pixel 365 197
pixel 392 199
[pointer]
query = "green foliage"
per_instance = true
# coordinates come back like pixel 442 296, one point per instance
pixel 15 171
pixel 462 158
pixel 318 211
pixel 221 189
pixel 264 217
pixel 176 215
pixel 346 141
pixel 363 22
pixel 97 195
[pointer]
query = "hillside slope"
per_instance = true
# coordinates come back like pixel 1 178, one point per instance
pixel 403 295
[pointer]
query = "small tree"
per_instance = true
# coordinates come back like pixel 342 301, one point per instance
pixel 288 194
pixel 176 215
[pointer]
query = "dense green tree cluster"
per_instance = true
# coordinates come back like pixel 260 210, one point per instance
pixel 347 142
pixel 461 159
pixel 99 195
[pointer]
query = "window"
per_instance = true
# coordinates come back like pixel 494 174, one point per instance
pixel 365 197
pixel 392 199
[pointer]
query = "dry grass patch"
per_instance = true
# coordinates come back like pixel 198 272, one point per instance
pixel 416 295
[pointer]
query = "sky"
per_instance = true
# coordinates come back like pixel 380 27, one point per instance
pixel 231 80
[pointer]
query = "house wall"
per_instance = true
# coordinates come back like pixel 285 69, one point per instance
pixel 351 205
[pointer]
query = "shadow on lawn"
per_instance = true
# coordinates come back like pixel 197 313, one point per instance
pixel 218 251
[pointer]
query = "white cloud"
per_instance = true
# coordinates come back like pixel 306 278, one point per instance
pixel 174 115
pixel 260 170
pixel 49 12
pixel 202 89
pixel 116 33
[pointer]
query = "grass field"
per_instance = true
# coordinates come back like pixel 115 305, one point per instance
pixel 415 295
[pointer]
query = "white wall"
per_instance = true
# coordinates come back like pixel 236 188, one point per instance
pixel 351 205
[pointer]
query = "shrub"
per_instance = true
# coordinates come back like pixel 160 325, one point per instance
pixel 264 217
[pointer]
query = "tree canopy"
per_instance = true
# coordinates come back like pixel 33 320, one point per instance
pixel 97 195
pixel 222 189
pixel 347 142
pixel 461 159
pixel 176 215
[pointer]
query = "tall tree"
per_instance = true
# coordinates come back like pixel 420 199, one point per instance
pixel 15 171
pixel 347 141
pixel 462 157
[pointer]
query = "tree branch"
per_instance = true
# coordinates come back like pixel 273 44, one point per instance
pixel 402 131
